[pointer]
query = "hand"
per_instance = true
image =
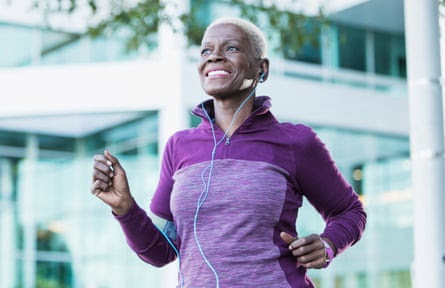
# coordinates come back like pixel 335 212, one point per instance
pixel 110 183
pixel 309 251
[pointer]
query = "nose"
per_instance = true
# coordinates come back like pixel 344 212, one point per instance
pixel 216 56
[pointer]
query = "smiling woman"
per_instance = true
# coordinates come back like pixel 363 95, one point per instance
pixel 231 209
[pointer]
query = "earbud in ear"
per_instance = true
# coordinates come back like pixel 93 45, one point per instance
pixel 261 79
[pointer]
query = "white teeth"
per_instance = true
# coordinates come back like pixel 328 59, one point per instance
pixel 218 72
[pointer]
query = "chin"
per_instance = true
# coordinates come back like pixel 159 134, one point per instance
pixel 222 92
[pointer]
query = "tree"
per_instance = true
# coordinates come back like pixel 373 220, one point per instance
pixel 141 20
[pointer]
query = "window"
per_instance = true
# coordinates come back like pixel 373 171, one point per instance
pixel 352 48
pixel 389 54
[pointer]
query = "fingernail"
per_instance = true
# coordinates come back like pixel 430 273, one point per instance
pixel 109 163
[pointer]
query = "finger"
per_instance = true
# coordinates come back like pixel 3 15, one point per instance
pixel 288 238
pixel 306 248
pixel 305 245
pixel 302 250
pixel 316 256
pixel 100 159
pixel 99 175
pixel 99 185
pixel 298 244
pixel 113 162
pixel 103 164
pixel 313 238
pixel 318 262
pixel 101 171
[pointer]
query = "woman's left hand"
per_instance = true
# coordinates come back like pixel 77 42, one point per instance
pixel 309 251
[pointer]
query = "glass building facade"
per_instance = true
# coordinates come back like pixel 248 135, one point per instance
pixel 54 233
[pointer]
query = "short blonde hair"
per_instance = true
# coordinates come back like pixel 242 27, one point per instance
pixel 254 34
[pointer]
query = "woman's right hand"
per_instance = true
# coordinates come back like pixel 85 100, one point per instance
pixel 110 183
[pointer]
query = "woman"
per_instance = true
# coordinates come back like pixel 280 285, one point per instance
pixel 231 188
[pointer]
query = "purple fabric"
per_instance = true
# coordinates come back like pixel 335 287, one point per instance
pixel 144 238
pixel 259 179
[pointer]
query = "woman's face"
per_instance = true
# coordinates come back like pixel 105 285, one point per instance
pixel 227 60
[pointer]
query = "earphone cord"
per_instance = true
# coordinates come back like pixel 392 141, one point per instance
pixel 203 196
pixel 181 277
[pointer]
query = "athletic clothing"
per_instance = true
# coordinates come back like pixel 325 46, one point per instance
pixel 259 177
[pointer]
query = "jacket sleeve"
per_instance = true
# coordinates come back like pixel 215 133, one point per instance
pixel 328 191
pixel 145 239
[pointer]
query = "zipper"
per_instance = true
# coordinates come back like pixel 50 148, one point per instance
pixel 227 141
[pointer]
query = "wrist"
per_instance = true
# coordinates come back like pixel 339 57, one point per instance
pixel 124 207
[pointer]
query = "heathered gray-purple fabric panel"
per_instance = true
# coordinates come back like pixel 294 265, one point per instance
pixel 238 240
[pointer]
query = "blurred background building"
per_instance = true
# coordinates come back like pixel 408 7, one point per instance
pixel 65 97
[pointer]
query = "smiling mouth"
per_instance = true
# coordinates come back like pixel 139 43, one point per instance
pixel 217 73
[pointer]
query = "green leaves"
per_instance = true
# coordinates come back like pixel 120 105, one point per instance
pixel 138 23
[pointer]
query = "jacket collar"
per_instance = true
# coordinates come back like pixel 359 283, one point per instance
pixel 261 105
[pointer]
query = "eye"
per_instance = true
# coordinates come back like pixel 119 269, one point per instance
pixel 205 51
pixel 232 49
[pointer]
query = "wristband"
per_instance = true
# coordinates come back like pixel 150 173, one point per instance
pixel 329 253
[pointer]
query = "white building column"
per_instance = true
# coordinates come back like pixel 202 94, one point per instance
pixel 172 47
pixel 427 141
pixel 8 240
pixel 173 112
pixel 27 210
pixel 330 46
pixel 371 174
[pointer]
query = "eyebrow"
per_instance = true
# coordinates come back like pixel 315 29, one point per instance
pixel 224 42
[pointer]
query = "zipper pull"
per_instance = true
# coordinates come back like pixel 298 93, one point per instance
pixel 227 141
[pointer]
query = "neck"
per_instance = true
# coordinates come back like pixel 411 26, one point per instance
pixel 230 113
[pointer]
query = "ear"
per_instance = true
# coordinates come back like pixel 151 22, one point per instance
pixel 263 74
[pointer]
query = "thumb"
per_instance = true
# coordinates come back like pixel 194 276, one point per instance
pixel 114 162
pixel 287 237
